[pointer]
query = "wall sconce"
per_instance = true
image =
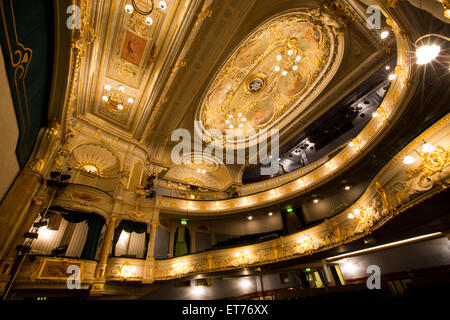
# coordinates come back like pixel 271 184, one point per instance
pixel 434 160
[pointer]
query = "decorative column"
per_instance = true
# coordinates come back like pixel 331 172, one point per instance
pixel 101 266
pixel 150 259
pixel 99 285
pixel 193 240
pixel 15 207
pixel 18 239
pixel 173 229
pixel 152 240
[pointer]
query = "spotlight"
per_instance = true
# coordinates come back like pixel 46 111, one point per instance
pixel 55 174
pixel 426 53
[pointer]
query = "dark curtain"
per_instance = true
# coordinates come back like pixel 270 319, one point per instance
pixel 95 225
pixel 299 214
pixel 129 226
pixel 283 217
pixel 187 238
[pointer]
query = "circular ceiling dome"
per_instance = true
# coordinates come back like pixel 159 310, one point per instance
pixel 271 77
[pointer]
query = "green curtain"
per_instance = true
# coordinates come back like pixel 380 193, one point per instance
pixel 182 241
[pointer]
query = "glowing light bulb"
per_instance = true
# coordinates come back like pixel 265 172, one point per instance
pixel 409 160
pixel 384 34
pixel 244 119
pixel 120 107
pixel 350 216
pixel 294 68
pixel 427 53
pixel 240 125
pixel 356 212
pixel 149 21
pixel 239 115
pixel 391 77
pixel 231 126
pixel 290 52
pixel 277 68
pixel 129 8
pixel 163 5
pixel 230 116
pixel 227 121
pixel 375 114
pixel 278 57
pixel 203 171
pixel 427 148
pixel 107 87
pixel 284 72
pixel 347 187
pixel 387 67
pixel 121 88
pixel 130 100
pixel 105 98
pixel 316 200
pixel 297 58
pixel 249 217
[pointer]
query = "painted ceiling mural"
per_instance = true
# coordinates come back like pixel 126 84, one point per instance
pixel 271 77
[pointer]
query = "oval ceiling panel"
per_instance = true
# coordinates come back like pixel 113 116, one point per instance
pixel 270 78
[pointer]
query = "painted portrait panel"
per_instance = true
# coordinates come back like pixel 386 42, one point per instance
pixel 133 48
pixel 294 81
pixel 261 113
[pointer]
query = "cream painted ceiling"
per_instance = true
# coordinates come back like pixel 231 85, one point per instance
pixel 164 75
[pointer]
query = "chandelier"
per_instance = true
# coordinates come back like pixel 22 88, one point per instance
pixel 144 8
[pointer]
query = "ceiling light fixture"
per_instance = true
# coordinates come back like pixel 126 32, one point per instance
pixel 249 217
pixel 347 188
pixel 316 200
pixel 384 34
pixel 149 21
pixel 129 8
pixel 163 5
pixel 427 52
pixel 139 9
pixel 391 77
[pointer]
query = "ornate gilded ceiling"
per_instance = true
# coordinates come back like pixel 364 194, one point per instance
pixel 271 77
pixel 268 64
